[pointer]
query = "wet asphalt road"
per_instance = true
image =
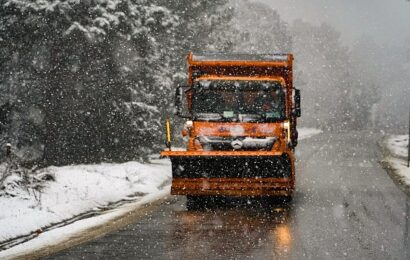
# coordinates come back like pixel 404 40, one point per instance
pixel 345 206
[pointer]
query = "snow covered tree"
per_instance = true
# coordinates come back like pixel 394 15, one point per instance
pixel 202 26
pixel 64 59
pixel 365 57
pixel 266 34
pixel 331 97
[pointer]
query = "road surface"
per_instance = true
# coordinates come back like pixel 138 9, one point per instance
pixel 345 206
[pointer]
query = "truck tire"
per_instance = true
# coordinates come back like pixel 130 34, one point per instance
pixel 277 200
pixel 285 199
pixel 285 166
pixel 194 202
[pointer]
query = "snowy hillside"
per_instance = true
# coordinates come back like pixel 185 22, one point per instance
pixel 76 190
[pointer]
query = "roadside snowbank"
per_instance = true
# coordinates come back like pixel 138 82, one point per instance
pixel 397 146
pixel 78 189
pixel 305 132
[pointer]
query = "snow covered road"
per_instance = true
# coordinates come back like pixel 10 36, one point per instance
pixel 345 206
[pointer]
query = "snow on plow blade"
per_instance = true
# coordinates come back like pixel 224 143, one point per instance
pixel 242 174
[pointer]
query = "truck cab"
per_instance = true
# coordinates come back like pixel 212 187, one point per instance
pixel 241 112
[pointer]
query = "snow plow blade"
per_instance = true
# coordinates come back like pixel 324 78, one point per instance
pixel 231 173
pixel 232 187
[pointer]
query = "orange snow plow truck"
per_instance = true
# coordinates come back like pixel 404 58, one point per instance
pixel 241 112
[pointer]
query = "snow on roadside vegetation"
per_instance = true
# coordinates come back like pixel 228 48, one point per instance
pixel 397 145
pixel 75 190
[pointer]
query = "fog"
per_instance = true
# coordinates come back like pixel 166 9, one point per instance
pixel 385 21
pixel 376 32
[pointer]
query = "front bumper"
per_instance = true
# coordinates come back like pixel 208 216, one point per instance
pixel 233 186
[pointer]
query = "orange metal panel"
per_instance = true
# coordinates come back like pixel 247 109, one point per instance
pixel 233 193
pixel 240 63
pixel 233 63
pixel 233 187
pixel 243 67
pixel 240 129
pixel 220 153
pixel 255 78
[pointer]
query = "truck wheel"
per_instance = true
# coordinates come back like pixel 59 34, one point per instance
pixel 278 200
pixel 285 199
pixel 194 202
pixel 285 166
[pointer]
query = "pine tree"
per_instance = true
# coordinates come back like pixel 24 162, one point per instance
pixel 66 56
pixel 324 63
pixel 266 34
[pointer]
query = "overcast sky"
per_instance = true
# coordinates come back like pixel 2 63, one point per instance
pixel 387 21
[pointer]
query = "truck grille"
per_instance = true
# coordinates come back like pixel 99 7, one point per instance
pixel 217 143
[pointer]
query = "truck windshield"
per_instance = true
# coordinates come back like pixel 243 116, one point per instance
pixel 246 101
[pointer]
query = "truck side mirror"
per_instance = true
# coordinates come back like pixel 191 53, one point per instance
pixel 179 101
pixel 297 112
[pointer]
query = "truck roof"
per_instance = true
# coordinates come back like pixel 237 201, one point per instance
pixel 240 64
pixel 219 56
